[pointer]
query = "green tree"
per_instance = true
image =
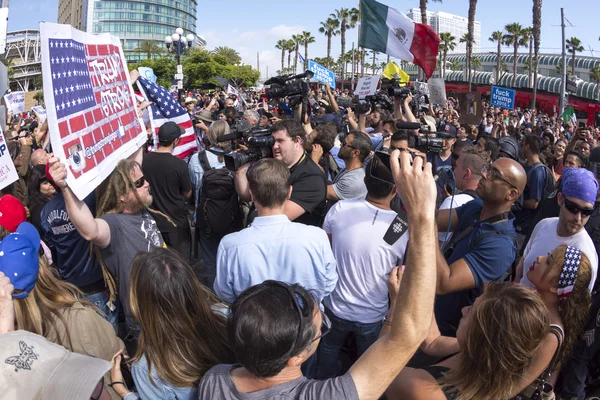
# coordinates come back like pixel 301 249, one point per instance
pixel 164 68
pixel 537 24
pixel 469 38
pixel 149 48
pixel 447 43
pixel 329 28
pixel 39 97
pixel 574 46
pixel 454 65
pixel 306 38
pixel 374 54
pixel 232 56
pixel 595 77
pixel 514 37
pixel 327 61
pixel 296 39
pixel 497 37
pixel 348 18
pixel 282 45
pixel 528 38
pixel 289 47
pixel 559 69
pixel 476 64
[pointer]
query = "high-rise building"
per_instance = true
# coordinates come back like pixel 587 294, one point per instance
pixel 454 24
pixel 132 20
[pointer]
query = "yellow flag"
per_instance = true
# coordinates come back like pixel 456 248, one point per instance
pixel 392 71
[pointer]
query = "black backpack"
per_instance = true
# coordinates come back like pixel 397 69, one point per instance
pixel 219 212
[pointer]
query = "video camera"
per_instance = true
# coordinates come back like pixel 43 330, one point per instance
pixel 258 140
pixel 425 144
pixel 290 86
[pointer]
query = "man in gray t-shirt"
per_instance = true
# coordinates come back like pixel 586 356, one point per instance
pixel 349 184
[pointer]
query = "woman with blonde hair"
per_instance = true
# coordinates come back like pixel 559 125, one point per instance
pixel 183 329
pixel 49 307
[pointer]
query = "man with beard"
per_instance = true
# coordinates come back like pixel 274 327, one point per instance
pixel 349 184
pixel 123 228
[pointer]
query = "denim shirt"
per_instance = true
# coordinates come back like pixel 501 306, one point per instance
pixel 162 391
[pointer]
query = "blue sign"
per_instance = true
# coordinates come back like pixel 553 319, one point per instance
pixel 322 74
pixel 503 97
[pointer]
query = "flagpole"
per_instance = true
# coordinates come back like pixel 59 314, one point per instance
pixel 358 42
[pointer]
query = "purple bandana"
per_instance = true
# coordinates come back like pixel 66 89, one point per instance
pixel 569 272
pixel 580 184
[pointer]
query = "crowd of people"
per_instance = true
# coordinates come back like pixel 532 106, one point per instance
pixel 351 258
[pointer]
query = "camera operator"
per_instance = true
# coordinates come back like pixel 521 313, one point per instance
pixel 444 157
pixel 231 115
pixel 309 186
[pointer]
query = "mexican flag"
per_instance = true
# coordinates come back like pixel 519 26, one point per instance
pixel 389 31
pixel 569 115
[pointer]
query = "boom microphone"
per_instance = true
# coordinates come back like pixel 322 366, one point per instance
pixel 407 125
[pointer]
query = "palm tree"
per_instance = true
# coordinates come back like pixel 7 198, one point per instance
pixel 363 53
pixel 290 45
pixel 306 38
pixel 476 64
pixel 595 76
pixel 470 40
pixel 537 24
pixel 374 54
pixel 423 6
pixel 574 46
pixel 282 45
pixel 149 47
pixel 296 39
pixel 230 54
pixel 447 43
pixel 497 37
pixel 559 69
pixel 514 37
pixel 330 28
pixel 348 18
pixel 454 65
pixel 528 38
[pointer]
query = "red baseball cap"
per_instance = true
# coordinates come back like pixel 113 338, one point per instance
pixel 12 212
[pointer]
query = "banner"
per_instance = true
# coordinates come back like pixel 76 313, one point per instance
pixel 40 112
pixel 366 86
pixel 437 91
pixel 91 111
pixel 8 172
pixel 147 73
pixel 471 111
pixel 503 97
pixel 15 102
pixel 322 74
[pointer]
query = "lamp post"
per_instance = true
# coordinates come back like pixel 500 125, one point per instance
pixel 178 42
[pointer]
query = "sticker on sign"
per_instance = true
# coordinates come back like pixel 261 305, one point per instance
pixel 322 74
pixel 366 86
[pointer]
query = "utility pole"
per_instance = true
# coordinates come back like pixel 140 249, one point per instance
pixel 258 62
pixel 563 83
pixel 353 71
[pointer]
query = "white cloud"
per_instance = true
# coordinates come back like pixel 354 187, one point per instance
pixel 284 31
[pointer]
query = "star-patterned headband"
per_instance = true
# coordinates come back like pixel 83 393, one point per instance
pixel 569 272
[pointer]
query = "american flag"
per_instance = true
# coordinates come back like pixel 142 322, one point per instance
pixel 165 108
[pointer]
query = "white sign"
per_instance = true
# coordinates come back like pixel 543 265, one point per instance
pixel 180 69
pixel 40 112
pixel 437 91
pixel 3 25
pixel 91 109
pixel 8 172
pixel 180 84
pixel 367 86
pixel 179 76
pixel 15 102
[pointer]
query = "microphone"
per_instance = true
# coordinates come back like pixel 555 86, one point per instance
pixel 407 125
pixel 230 136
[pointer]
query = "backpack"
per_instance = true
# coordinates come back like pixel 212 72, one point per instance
pixel 548 188
pixel 219 212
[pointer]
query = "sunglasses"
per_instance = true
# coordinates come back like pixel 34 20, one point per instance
pixel 575 209
pixel 492 174
pixel 140 182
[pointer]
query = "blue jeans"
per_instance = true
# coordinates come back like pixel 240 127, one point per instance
pixel 331 344
pixel 100 300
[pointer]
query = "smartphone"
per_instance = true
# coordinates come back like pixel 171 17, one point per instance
pixel 127 377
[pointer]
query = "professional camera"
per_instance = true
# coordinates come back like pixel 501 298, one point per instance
pixel 380 100
pixel 258 140
pixel 428 141
pixel 402 92
pixel 288 85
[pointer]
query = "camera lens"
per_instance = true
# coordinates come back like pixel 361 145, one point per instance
pixel 76 158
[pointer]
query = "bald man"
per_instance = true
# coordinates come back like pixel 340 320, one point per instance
pixel 39 157
pixel 483 245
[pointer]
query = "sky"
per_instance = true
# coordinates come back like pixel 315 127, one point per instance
pixel 253 27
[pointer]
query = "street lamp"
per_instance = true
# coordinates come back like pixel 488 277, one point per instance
pixel 177 43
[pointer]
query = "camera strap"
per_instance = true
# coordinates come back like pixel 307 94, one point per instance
pixel 468 228
pixel 204 161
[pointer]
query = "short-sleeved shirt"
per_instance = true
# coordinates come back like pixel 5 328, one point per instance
pixel 169 179
pixel 129 234
pixel 309 190
pixel 217 384
pixel 536 182
pixel 437 162
pixel 488 257
pixel 350 185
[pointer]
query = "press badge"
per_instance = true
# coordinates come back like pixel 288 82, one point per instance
pixel 397 228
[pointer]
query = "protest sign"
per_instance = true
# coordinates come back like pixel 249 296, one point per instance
pixel 15 102
pixel 471 110
pixel 91 111
pixel 8 172
pixel 322 74
pixel 437 90
pixel 366 86
pixel 503 97
pixel 40 112
pixel 147 73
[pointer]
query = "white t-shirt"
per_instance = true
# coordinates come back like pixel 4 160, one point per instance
pixel 545 239
pixel 364 260
pixel 459 200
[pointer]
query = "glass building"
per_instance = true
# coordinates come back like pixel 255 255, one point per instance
pixel 133 21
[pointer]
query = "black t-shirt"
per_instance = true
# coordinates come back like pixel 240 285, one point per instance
pixel 169 179
pixel 309 190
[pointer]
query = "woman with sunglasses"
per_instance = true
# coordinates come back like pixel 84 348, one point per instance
pixel 183 329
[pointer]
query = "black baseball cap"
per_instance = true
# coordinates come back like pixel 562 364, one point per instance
pixel 169 131
pixel 446 130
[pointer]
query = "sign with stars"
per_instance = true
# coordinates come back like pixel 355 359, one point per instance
pixel 91 111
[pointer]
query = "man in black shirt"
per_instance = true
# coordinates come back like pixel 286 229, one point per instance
pixel 171 186
pixel 309 186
